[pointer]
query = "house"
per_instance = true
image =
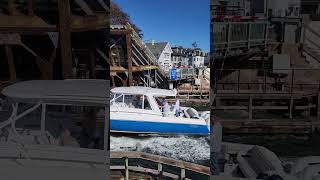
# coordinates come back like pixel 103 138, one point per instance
pixel 162 51
pixel 196 58
pixel 179 56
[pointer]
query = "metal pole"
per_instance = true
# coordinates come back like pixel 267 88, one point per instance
pixel 43 119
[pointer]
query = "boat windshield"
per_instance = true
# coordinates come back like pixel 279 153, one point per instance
pixel 130 101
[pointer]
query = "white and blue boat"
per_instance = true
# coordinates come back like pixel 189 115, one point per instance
pixel 137 110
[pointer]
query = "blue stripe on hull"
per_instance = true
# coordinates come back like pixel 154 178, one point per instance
pixel 157 127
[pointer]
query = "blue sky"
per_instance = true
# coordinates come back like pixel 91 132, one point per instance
pixel 179 22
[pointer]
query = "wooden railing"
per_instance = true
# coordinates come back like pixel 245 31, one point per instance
pixel 143 160
pixel 290 81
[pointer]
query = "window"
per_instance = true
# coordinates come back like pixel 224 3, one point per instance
pixel 146 103
pixel 128 101
pixel 166 55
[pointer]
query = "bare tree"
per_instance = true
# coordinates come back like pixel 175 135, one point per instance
pixel 195 45
pixel 118 16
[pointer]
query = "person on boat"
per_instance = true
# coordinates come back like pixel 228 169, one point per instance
pixel 177 108
pixel 166 108
pixel 62 128
pixel 216 140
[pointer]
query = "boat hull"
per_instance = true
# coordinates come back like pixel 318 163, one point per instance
pixel 154 127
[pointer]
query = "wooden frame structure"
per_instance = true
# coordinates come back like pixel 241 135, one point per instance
pixel 131 62
pixel 48 38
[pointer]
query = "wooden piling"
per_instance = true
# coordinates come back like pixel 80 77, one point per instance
pixel 126 165
pixel 250 108
pixel 291 107
pixel 65 38
pixel 183 174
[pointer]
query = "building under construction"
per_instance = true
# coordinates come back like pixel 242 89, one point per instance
pixel 266 64
pixel 53 39
pixel 131 62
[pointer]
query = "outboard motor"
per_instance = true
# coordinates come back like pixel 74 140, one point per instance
pixel 193 113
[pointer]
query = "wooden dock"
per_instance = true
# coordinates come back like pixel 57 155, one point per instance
pixel 271 127
pixel 126 165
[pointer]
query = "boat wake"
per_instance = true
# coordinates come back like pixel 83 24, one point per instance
pixel 185 148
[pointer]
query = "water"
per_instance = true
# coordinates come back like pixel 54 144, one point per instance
pixel 190 149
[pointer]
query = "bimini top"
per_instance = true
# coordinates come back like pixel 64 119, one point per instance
pixel 73 91
pixel 144 91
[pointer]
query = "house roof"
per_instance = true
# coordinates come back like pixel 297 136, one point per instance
pixel 157 48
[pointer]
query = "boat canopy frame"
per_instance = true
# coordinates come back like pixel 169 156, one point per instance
pixel 61 94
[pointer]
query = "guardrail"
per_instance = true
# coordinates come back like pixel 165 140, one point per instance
pixel 183 73
pixel 229 35
pixel 264 81
pixel 156 166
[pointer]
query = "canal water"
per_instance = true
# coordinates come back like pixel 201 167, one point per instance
pixel 190 149
pixel 185 148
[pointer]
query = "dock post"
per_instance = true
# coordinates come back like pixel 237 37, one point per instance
pixel 160 170
pixel 318 107
pixel 126 168
pixel 291 107
pixel 183 174
pixel 250 108
pixel 65 38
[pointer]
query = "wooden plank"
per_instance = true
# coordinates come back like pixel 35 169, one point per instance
pixel 65 37
pixel 129 56
pixel 12 68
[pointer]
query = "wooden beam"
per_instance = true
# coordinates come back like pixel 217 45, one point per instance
pixel 30 7
pixel 120 31
pixel 134 68
pixel 84 6
pixel 86 23
pixel 103 4
pixel 12 68
pixel 129 58
pixel 65 37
